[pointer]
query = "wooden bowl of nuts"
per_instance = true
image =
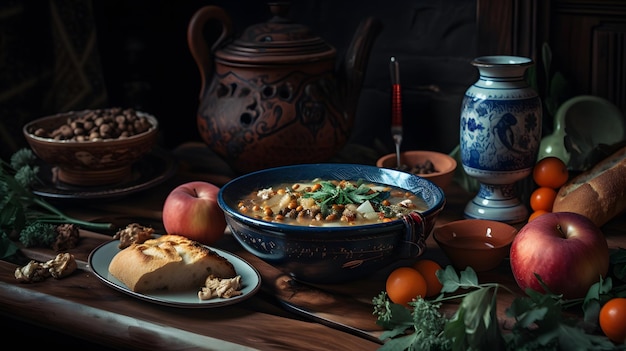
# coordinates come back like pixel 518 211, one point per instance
pixel 92 147
pixel 432 165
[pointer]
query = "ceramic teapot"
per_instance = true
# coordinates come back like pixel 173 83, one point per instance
pixel 276 95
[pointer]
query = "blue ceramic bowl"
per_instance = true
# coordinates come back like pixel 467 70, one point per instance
pixel 331 254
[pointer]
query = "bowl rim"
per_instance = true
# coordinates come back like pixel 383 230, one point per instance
pixel 451 161
pixel 442 242
pixel 28 135
pixel 282 229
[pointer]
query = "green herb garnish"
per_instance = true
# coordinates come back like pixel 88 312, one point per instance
pixel 344 193
pixel 540 321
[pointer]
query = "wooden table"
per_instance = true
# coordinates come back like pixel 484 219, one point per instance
pixel 282 315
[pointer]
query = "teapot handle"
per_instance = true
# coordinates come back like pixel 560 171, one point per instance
pixel 197 43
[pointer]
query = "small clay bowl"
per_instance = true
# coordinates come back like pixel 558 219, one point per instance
pixel 444 165
pixel 95 162
pixel 477 243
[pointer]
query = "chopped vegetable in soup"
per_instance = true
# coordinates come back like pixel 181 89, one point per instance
pixel 330 203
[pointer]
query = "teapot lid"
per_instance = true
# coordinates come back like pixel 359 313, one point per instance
pixel 279 40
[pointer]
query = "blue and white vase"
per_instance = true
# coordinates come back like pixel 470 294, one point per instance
pixel 500 135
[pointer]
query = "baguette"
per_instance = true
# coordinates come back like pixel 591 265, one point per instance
pixel 169 262
pixel 598 193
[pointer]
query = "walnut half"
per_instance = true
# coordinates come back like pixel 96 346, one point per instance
pixel 59 267
pixel 32 272
pixel 67 238
pixel 220 287
pixel 133 233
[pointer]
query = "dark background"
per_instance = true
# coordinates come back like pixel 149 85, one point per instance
pixel 66 55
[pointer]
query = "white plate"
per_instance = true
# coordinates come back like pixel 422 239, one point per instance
pixel 101 256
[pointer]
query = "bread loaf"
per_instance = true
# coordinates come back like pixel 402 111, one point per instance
pixel 598 193
pixel 169 262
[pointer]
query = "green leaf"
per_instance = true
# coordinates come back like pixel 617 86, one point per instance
pixel 618 263
pixel 23 157
pixel 393 332
pixel 552 303
pixel 524 313
pixel 400 316
pixel 468 278
pixel 449 279
pixel 455 330
pixel 452 282
pixel 546 337
pixel 594 299
pixel 595 292
pixel 476 305
pixel 475 323
pixel 12 215
pixel 592 312
pixel 572 338
pixel 400 344
pixel 7 247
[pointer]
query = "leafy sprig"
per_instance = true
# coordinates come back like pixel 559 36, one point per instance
pixel 19 207
pixel 344 193
pixel 540 321
pixel 424 319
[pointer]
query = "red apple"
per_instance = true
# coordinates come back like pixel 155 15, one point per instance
pixel 567 250
pixel 191 210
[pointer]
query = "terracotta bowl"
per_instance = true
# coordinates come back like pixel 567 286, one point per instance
pixel 444 165
pixel 99 161
pixel 330 254
pixel 478 243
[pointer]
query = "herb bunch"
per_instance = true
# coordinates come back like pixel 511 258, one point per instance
pixel 540 321
pixel 20 208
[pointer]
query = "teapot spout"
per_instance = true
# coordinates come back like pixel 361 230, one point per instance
pixel 354 66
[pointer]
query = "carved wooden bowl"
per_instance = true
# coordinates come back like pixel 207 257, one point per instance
pixel 99 161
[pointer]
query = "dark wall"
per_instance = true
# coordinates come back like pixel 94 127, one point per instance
pixel 147 63
pixel 434 42
pixel 141 60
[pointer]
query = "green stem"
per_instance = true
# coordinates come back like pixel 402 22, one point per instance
pixel 571 303
pixel 495 286
pixel 27 198
pixel 63 218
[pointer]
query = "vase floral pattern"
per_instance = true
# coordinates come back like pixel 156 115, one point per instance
pixel 499 135
pixel 500 132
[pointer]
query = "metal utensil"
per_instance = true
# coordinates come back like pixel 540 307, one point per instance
pixel 396 107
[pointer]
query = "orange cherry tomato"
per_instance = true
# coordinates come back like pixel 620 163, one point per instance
pixel 542 199
pixel 428 269
pixel 405 284
pixel 613 319
pixel 550 172
pixel 536 214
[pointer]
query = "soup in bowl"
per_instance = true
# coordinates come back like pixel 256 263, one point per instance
pixel 324 241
